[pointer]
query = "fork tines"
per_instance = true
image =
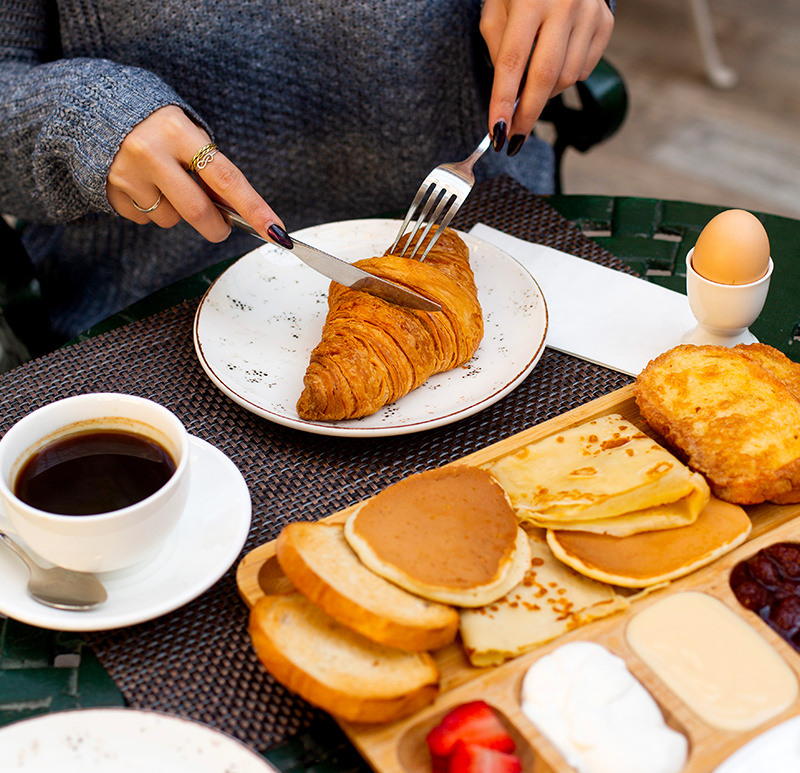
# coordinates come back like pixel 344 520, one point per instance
pixel 428 196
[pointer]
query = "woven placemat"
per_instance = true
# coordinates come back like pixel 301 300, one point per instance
pixel 197 661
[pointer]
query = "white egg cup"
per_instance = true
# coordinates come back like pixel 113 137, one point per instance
pixel 723 312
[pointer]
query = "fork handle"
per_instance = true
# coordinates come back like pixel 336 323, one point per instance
pixel 484 145
pixel 480 150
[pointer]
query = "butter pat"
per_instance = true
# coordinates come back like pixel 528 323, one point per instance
pixel 597 714
pixel 713 661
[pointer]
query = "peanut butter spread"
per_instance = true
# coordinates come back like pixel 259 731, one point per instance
pixel 451 527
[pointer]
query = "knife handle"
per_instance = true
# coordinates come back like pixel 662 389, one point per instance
pixel 234 218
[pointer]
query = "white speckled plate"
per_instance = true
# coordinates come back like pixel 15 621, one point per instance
pixel 122 741
pixel 257 324
pixel 776 749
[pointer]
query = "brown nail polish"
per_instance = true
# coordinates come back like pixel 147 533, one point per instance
pixel 515 143
pixel 499 135
pixel 280 236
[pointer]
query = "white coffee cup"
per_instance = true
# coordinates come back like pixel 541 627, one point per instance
pixel 105 541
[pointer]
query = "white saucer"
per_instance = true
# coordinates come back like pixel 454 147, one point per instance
pixel 122 741
pixel 205 544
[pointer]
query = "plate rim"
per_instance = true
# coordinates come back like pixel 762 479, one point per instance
pixel 129 714
pixel 336 429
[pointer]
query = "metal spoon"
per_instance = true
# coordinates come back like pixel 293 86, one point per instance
pixel 57 587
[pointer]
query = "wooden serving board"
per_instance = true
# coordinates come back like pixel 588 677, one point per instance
pixel 400 747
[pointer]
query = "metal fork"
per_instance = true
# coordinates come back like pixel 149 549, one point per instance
pixel 443 190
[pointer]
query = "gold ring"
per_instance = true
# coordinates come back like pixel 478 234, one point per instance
pixel 149 209
pixel 203 157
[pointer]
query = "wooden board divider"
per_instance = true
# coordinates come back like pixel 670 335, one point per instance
pixel 399 747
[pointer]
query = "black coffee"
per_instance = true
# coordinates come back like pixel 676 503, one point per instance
pixel 96 471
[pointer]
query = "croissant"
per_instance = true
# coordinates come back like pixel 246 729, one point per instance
pixel 373 352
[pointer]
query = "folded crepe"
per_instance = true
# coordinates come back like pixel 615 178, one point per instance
pixel 604 476
pixel 551 600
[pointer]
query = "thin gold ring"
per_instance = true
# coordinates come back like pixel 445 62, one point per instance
pixel 203 157
pixel 149 209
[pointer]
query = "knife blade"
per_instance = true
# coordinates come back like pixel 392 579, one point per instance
pixel 339 270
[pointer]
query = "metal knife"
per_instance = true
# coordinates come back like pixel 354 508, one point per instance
pixel 339 270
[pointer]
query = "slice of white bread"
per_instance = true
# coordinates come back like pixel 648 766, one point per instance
pixel 448 534
pixel 335 668
pixel 323 567
pixel 729 413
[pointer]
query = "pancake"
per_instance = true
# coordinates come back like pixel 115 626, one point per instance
pixel 551 600
pixel 449 535
pixel 654 557
pixel 603 476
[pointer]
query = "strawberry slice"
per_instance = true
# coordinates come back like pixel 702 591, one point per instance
pixel 440 764
pixel 473 723
pixel 471 758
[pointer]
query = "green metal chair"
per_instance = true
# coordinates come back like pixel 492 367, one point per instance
pixel 603 107
pixel 24 324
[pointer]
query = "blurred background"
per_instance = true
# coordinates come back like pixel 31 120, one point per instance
pixel 685 138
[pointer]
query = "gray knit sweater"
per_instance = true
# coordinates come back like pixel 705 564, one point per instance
pixel 333 109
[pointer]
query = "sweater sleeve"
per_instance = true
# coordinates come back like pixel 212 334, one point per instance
pixel 63 120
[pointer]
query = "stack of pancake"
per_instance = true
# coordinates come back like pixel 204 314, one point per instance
pixel 512 555
pixel 618 507
pixel 604 505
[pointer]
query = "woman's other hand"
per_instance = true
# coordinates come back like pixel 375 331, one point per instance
pixel 152 162
pixel 570 36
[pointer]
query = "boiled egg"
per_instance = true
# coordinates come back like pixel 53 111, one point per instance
pixel 732 249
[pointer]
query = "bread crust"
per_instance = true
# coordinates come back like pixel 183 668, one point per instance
pixel 375 687
pixel 323 567
pixel 728 417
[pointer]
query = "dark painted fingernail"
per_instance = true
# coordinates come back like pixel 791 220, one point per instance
pixel 277 234
pixel 515 143
pixel 499 135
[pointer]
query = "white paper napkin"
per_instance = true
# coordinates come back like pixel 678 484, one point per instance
pixel 596 313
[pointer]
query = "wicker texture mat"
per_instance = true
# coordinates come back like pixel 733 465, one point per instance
pixel 197 662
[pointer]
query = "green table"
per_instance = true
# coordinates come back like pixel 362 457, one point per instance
pixel 43 671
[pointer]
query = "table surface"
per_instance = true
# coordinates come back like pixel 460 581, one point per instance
pixel 44 671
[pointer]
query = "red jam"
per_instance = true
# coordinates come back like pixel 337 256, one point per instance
pixel 768 584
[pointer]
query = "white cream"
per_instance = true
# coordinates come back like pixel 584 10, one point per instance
pixel 597 714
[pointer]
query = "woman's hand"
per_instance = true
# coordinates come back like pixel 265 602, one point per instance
pixel 152 162
pixel 570 38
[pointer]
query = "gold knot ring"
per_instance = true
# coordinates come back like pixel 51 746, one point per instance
pixel 203 157
pixel 149 209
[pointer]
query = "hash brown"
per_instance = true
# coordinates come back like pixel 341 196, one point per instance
pixel 732 414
